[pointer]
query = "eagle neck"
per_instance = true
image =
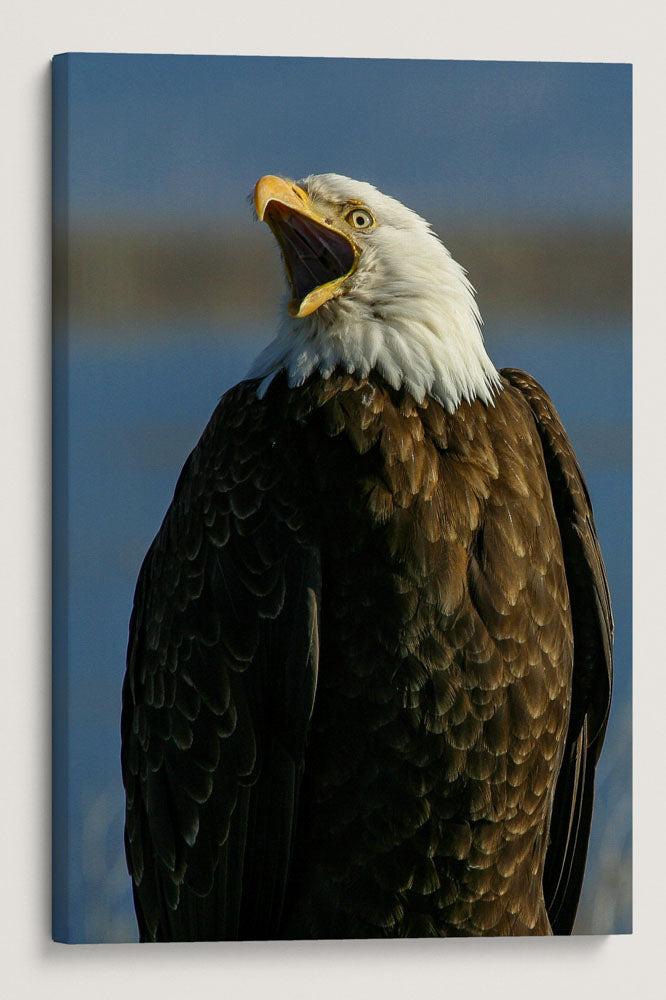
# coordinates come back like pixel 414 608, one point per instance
pixel 428 343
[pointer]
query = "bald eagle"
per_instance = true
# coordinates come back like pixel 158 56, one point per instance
pixel 369 664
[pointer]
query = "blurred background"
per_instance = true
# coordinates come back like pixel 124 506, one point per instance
pixel 165 289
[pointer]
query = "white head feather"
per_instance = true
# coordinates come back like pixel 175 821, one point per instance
pixel 407 311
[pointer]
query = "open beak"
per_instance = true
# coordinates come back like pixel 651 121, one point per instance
pixel 317 257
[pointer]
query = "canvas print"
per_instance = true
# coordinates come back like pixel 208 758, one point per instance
pixel 342 396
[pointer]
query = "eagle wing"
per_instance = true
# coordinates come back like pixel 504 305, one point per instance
pixel 220 683
pixel 592 620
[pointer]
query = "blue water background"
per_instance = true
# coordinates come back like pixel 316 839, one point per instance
pixel 133 407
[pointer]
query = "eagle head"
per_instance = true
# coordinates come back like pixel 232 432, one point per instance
pixel 371 287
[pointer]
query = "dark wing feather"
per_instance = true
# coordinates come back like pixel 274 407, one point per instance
pixel 593 660
pixel 220 684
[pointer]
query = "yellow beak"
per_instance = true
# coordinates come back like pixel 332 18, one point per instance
pixel 272 188
pixel 318 257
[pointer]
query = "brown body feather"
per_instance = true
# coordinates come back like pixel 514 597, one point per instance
pixel 368 638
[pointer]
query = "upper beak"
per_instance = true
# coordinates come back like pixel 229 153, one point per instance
pixel 318 257
pixel 271 188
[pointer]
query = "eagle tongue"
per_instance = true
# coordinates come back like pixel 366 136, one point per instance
pixel 313 253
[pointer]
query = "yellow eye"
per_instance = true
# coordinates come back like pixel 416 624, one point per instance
pixel 359 218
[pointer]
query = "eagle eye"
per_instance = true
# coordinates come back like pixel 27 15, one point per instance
pixel 359 218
